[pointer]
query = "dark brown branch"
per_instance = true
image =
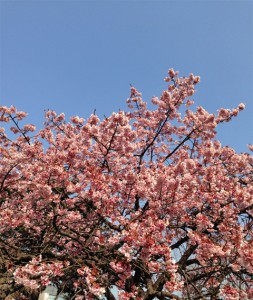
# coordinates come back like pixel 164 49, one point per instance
pixel 179 145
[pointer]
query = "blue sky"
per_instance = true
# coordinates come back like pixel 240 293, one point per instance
pixel 77 56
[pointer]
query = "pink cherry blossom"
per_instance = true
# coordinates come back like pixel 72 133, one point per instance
pixel 145 203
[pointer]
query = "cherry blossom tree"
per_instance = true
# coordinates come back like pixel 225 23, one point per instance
pixel 144 204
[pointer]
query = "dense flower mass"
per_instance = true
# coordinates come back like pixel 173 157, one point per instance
pixel 144 204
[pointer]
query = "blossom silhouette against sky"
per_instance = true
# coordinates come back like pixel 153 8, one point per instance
pixel 77 56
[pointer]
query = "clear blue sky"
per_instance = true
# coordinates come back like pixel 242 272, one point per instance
pixel 75 56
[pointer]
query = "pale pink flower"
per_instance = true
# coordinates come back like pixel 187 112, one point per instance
pixel 241 106
pixel 29 127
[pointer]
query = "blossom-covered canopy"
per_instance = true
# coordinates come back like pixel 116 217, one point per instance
pixel 146 204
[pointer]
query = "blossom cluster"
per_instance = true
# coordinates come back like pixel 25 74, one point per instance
pixel 146 203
